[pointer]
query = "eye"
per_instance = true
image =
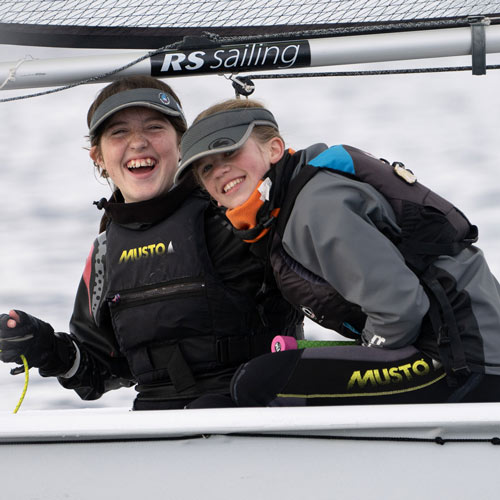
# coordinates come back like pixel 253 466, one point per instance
pixel 205 169
pixel 156 126
pixel 117 131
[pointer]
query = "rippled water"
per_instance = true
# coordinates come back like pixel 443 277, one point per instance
pixel 445 127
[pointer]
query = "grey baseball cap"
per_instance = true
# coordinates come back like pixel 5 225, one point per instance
pixel 219 133
pixel 145 97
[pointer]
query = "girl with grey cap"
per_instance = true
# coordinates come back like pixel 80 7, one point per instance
pixel 169 298
pixel 362 248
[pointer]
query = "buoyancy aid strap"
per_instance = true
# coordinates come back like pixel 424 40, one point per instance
pixel 294 188
pixel 236 350
pixel 426 248
pixel 444 323
pixel 169 356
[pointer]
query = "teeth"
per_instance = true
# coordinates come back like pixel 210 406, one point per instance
pixel 231 184
pixel 143 162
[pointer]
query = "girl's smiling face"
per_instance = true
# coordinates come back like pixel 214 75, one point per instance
pixel 139 150
pixel 230 178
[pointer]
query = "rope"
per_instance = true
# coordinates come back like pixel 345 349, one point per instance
pixel 12 72
pixel 26 380
pixel 403 439
pixel 86 80
pixel 307 344
pixel 436 440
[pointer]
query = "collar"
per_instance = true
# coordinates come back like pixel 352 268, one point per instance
pixel 253 219
pixel 144 214
pixel 244 217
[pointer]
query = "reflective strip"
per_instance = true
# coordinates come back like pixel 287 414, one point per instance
pixel 75 366
pixel 363 394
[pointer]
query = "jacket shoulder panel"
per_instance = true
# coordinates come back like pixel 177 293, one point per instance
pixel 335 158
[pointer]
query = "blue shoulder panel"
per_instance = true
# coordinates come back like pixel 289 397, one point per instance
pixel 335 158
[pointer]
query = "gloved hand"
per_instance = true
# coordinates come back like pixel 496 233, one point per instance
pixel 21 333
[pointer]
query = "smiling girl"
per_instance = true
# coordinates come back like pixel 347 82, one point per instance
pixel 139 151
pixel 170 300
pixel 362 248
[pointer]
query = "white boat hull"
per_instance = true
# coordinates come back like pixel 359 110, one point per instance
pixel 358 452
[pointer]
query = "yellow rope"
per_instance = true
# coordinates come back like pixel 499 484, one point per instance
pixel 26 380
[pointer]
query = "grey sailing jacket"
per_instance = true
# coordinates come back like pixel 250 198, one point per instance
pixel 335 231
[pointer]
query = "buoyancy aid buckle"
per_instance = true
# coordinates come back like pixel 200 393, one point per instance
pixel 404 173
pixel 444 341
pixel 443 338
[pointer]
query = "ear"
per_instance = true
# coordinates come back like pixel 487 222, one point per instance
pixel 276 149
pixel 95 154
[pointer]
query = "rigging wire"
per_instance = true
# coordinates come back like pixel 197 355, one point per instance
pixel 85 80
pixel 368 72
pixel 246 80
pixel 243 84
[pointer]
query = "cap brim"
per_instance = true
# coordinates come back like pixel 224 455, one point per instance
pixel 220 133
pixel 146 98
pixel 229 139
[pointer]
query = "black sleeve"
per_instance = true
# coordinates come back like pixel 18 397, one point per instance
pixel 102 367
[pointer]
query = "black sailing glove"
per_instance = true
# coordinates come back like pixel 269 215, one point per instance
pixel 53 353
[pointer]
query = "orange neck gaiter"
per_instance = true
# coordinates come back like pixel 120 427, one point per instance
pixel 244 217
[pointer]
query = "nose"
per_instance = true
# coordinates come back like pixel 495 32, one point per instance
pixel 138 140
pixel 221 166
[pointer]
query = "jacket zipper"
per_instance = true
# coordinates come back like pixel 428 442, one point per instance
pixel 129 298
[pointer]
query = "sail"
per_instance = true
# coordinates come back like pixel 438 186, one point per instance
pixel 192 37
pixel 154 23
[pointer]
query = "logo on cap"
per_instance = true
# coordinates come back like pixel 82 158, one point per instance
pixel 164 98
pixel 221 143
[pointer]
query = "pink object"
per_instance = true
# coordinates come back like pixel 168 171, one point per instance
pixel 283 343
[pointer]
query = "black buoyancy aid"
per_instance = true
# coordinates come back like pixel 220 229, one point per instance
pixel 173 316
pixel 430 226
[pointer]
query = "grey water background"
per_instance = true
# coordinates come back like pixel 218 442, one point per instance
pixel 444 127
